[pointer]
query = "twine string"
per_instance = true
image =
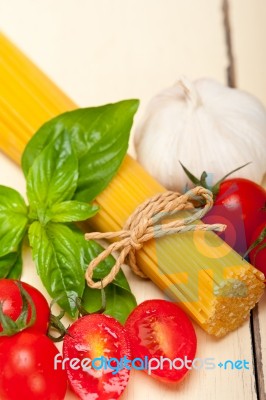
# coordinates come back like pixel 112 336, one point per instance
pixel 145 223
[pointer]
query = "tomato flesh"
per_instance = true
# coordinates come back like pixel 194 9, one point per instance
pixel 27 368
pixel 239 204
pixel 159 328
pixel 11 300
pixel 92 337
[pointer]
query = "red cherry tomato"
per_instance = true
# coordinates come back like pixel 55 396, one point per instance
pixel 27 368
pixel 258 256
pixel 90 337
pixel 239 204
pixel 159 328
pixel 11 300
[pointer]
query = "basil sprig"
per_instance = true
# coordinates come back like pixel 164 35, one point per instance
pixel 67 163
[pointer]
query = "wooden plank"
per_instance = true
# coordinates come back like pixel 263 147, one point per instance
pixel 248 30
pixel 259 337
pixel 244 14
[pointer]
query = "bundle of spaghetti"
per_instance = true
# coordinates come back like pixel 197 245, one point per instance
pixel 208 279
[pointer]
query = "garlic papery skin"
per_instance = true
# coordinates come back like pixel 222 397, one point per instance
pixel 206 126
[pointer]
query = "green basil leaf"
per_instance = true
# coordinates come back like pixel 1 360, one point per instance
pixel 53 176
pixel 11 265
pixel 100 137
pixel 13 220
pixel 15 271
pixel 119 302
pixel 57 258
pixel 69 211
pixel 6 264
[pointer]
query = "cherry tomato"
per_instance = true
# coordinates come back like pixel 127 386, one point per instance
pixel 90 337
pixel 27 368
pixel 159 328
pixel 11 300
pixel 258 256
pixel 239 204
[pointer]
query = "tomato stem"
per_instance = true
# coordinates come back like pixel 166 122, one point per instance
pixel 203 179
pixel 11 327
pixel 257 242
pixel 56 324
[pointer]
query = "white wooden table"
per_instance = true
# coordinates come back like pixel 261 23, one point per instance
pixel 103 51
pixel 247 343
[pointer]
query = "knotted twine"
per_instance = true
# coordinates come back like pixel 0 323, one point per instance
pixel 144 224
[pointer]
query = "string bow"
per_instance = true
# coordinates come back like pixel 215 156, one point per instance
pixel 145 223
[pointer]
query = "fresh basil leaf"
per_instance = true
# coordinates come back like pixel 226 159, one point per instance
pixel 69 211
pixel 15 271
pixel 11 265
pixel 13 220
pixel 6 263
pixel 119 302
pixel 53 177
pixel 100 137
pixel 58 262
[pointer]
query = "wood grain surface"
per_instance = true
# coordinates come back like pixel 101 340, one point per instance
pixel 108 50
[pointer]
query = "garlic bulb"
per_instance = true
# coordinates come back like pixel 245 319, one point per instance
pixel 206 126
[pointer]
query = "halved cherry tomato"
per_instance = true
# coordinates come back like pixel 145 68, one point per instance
pixel 92 337
pixel 27 368
pixel 159 328
pixel 11 300
pixel 239 204
pixel 258 256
